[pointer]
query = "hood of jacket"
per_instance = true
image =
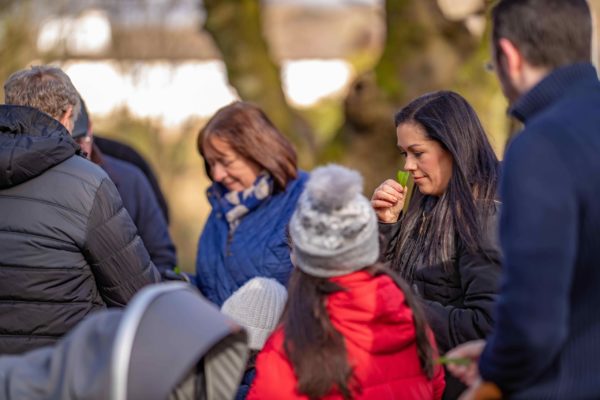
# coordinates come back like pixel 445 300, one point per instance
pixel 30 143
pixel 371 313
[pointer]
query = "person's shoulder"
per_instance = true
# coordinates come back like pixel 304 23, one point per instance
pixel 294 187
pixel 564 115
pixel 302 175
pixel 83 169
pixel 542 133
pixel 299 182
pixel 79 182
pixel 124 168
pixel 275 341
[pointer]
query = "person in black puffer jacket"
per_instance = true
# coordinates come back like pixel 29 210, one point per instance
pixel 67 245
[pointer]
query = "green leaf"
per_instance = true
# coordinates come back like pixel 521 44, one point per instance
pixel 402 177
pixel 457 360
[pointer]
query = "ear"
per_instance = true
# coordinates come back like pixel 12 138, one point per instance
pixel 512 55
pixel 67 119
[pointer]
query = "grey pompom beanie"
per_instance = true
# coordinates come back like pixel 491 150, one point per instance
pixel 334 228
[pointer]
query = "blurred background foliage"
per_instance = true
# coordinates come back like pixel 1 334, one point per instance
pixel 390 52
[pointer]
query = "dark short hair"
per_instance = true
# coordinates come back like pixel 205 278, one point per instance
pixel 248 130
pixel 549 33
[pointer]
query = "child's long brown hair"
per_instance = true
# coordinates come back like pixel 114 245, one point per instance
pixel 317 350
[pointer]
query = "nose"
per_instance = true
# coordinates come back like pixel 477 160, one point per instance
pixel 218 172
pixel 410 164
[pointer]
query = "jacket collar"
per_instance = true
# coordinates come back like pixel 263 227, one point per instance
pixel 552 88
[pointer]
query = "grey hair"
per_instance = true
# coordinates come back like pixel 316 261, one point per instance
pixel 43 87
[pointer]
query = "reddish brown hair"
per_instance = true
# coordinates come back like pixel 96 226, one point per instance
pixel 248 130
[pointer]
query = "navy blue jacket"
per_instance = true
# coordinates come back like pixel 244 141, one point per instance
pixel 141 203
pixel 127 153
pixel 546 342
pixel 258 247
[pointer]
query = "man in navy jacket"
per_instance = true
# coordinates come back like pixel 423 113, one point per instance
pixel 546 342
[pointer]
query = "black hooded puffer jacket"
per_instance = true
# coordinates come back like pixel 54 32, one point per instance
pixel 67 245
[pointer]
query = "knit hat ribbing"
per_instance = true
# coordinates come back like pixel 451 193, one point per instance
pixel 334 228
pixel 257 306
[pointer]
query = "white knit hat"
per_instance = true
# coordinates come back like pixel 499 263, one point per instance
pixel 334 228
pixel 257 306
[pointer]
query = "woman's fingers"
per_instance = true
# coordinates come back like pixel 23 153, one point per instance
pixel 392 186
pixel 390 191
pixel 388 200
pixel 381 204
pixel 386 196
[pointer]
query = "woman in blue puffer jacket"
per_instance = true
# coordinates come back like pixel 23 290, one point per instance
pixel 256 183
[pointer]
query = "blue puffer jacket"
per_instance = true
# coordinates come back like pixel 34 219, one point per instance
pixel 257 248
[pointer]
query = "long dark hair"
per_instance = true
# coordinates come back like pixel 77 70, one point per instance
pixel 317 350
pixel 248 130
pixel 431 225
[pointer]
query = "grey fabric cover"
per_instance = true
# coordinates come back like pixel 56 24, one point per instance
pixel 67 245
pixel 76 368
pixel 178 327
pixel 224 366
pixel 165 361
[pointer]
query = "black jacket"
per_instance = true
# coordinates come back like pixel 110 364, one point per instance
pixel 67 245
pixel 458 303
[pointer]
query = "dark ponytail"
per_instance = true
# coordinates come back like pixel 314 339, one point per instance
pixel 314 347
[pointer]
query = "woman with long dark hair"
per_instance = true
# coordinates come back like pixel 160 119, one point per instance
pixel 350 329
pixel 256 183
pixel 445 244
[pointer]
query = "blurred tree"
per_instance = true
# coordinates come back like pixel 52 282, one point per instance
pixel 17 41
pixel 236 28
pixel 423 51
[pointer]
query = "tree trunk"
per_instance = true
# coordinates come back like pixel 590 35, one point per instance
pixel 17 42
pixel 236 28
pixel 423 52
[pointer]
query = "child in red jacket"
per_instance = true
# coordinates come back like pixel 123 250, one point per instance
pixel 350 329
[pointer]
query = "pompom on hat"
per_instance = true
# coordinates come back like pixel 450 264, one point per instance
pixel 257 306
pixel 334 228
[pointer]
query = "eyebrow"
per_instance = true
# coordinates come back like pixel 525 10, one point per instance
pixel 411 147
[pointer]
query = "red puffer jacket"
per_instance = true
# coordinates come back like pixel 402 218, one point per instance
pixel 380 341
